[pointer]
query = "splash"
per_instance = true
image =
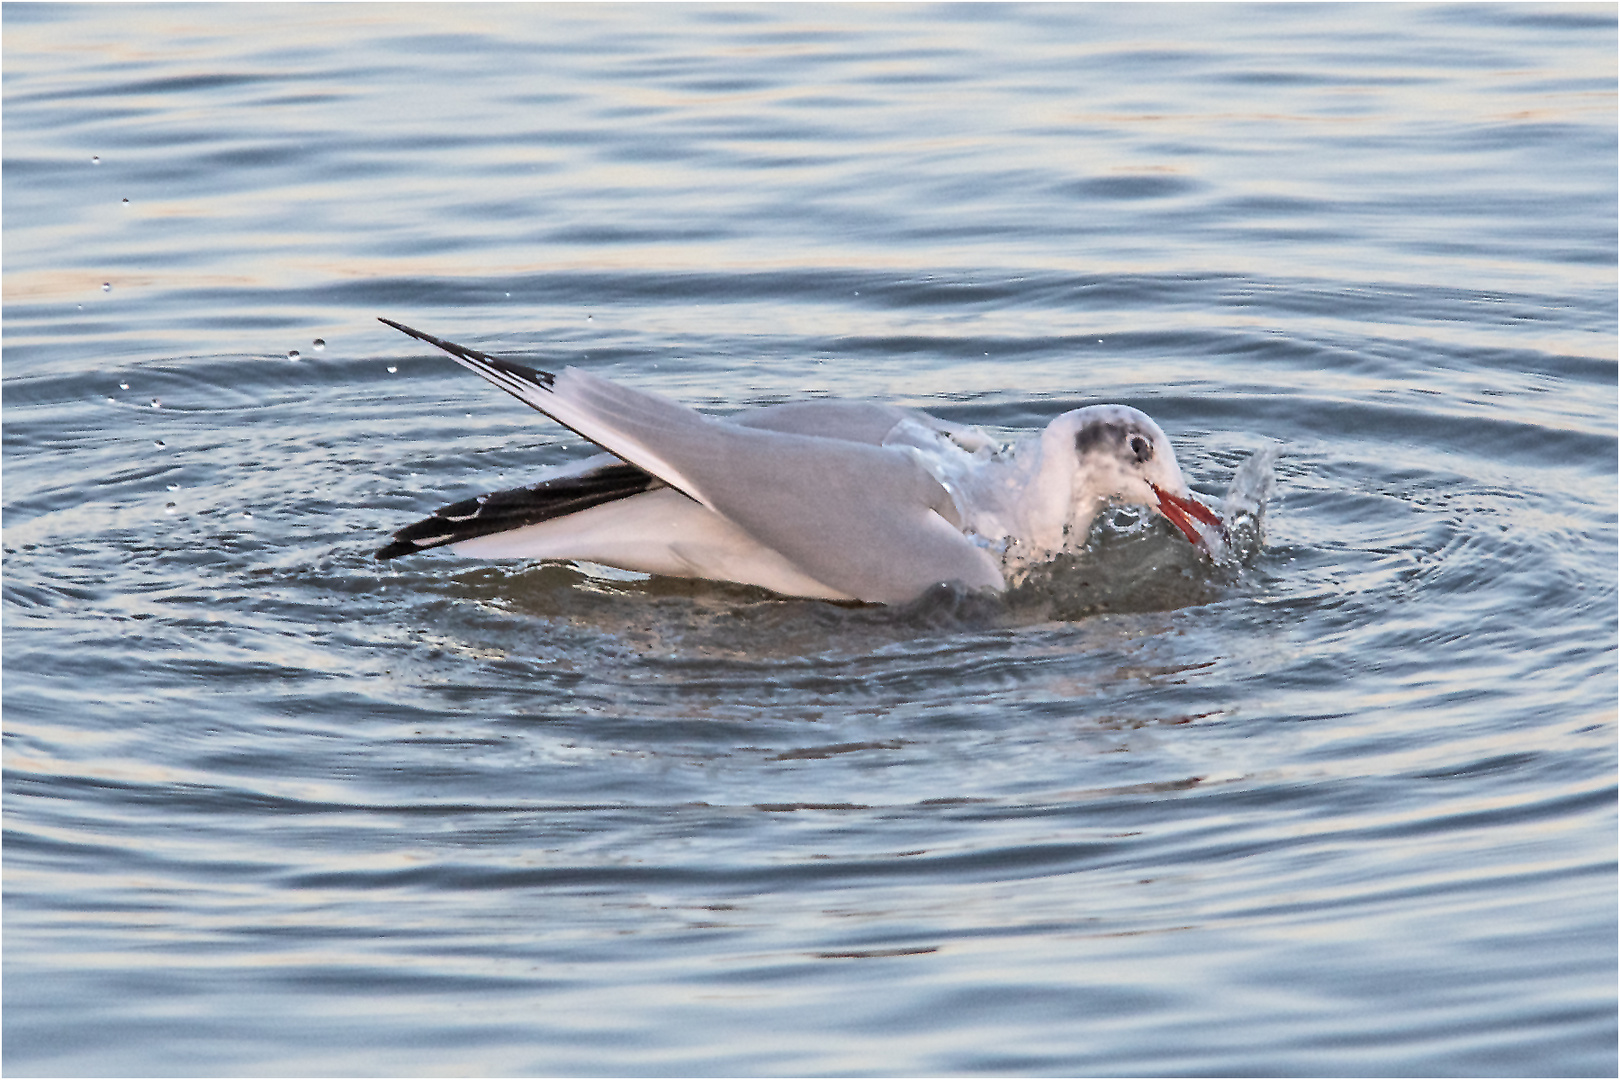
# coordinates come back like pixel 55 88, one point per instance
pixel 1243 509
pixel 1134 561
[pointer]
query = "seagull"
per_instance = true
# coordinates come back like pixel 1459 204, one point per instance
pixel 827 499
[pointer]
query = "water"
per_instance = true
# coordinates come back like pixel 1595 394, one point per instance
pixel 273 807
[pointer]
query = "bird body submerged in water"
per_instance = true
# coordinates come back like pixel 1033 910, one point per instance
pixel 828 499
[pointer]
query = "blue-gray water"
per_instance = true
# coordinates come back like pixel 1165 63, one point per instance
pixel 273 807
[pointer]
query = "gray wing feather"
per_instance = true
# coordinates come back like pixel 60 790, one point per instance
pixel 862 518
pixel 851 421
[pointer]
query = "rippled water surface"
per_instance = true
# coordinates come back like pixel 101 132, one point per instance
pixel 274 807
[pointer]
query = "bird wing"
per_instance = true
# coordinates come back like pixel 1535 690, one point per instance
pixel 601 479
pixel 867 520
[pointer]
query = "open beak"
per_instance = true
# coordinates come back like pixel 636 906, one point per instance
pixel 1185 514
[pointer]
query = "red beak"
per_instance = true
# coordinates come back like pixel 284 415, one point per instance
pixel 1181 513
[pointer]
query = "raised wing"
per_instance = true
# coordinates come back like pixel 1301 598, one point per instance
pixel 867 520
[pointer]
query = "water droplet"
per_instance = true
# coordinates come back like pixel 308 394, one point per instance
pixel 482 499
pixel 156 404
pixel 509 296
pixel 320 343
pixel 587 318
pixel 95 159
pixel 112 400
pixel 168 508
pixel 126 202
pixel 392 370
pixel 174 487
pixel 1099 341
pixel 159 443
pixel 123 386
pixel 247 513
pixel 106 286
pixel 292 354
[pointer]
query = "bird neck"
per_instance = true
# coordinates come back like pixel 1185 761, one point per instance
pixel 1044 511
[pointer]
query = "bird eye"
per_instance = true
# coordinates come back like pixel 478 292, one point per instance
pixel 1141 448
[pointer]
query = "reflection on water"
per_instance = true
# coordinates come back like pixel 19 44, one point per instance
pixel 1343 803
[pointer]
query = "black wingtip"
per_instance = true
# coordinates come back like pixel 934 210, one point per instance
pixel 503 511
pixel 448 346
pixel 540 378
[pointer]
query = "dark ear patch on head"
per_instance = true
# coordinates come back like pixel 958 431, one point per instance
pixel 1098 436
pixel 1142 447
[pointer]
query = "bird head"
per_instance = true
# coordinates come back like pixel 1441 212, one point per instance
pixel 1106 454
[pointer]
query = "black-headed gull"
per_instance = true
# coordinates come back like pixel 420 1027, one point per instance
pixel 830 499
